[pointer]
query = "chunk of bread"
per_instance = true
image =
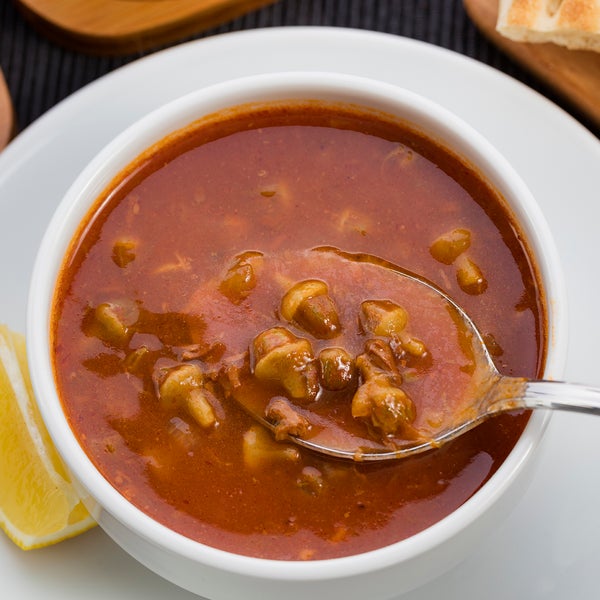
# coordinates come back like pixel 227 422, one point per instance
pixel 571 23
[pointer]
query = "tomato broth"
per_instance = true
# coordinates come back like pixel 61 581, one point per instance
pixel 174 286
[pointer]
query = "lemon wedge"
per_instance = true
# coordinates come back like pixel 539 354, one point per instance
pixel 38 504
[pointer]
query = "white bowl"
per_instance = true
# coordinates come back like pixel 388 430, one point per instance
pixel 216 574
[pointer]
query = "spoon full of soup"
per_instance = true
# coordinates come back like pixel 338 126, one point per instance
pixel 397 369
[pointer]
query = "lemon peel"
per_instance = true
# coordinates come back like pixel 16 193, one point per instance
pixel 39 505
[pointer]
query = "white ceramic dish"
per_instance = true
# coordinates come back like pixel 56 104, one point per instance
pixel 219 575
pixel 548 546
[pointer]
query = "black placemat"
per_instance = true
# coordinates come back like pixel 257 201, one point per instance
pixel 40 74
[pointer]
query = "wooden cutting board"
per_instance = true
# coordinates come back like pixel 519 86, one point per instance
pixel 127 26
pixel 7 126
pixel 574 74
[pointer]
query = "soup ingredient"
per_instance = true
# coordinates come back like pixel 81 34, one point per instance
pixel 380 398
pixel 124 252
pixel 383 317
pixel 222 218
pixel 183 386
pixel 286 419
pixel 115 319
pixel 450 245
pixel 488 394
pixel 469 277
pixel 260 449
pixel 284 359
pixel 240 279
pixel 38 503
pixel 337 369
pixel 309 305
pixel 451 249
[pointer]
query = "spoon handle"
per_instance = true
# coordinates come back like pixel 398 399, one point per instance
pixel 554 395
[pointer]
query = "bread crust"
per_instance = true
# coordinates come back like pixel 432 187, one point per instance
pixel 571 23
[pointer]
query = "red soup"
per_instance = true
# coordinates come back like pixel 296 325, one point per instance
pixel 199 282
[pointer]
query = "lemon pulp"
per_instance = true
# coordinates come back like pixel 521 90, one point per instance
pixel 39 505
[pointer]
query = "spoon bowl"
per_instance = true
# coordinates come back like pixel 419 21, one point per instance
pixel 490 393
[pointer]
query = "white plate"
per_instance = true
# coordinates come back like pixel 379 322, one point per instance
pixel 548 547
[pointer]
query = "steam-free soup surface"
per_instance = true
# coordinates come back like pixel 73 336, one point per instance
pixel 185 261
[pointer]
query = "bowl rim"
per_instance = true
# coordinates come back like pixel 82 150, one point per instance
pixel 153 127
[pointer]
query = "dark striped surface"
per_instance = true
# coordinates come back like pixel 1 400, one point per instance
pixel 40 74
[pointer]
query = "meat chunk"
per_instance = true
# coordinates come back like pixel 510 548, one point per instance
pixel 386 406
pixel 378 359
pixel 379 399
pixel 286 419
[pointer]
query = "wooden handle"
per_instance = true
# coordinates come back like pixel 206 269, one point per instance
pixel 124 26
pixel 574 74
pixel 7 125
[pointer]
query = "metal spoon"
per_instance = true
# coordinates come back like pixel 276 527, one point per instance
pixel 492 393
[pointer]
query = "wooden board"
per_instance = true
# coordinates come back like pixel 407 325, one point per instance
pixel 7 127
pixel 574 74
pixel 127 26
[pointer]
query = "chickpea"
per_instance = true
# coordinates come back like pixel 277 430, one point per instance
pixel 259 449
pixel 200 408
pixel 470 277
pixel 124 252
pixel 449 246
pixel 413 346
pixel 337 369
pixel 298 293
pixel 280 357
pixel 309 305
pixel 114 320
pixel 318 316
pixel 383 317
pixel 240 279
pixel 238 283
pixel 137 361
pixel 177 384
pixel 183 386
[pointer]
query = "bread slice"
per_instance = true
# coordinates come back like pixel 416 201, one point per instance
pixel 571 23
